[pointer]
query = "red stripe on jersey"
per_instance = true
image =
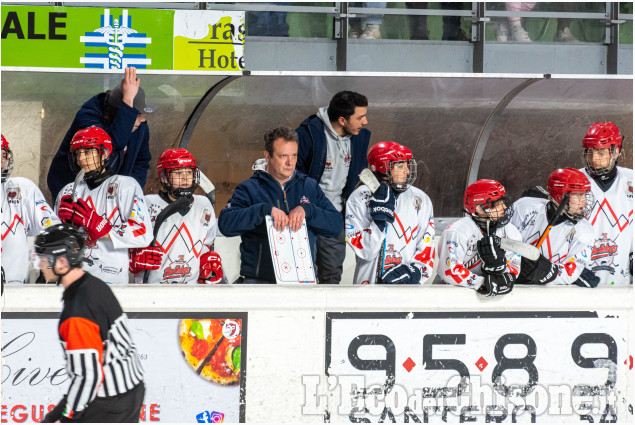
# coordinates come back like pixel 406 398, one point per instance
pixel 606 203
pixel 81 334
pixel 13 223
pixel 112 214
pixel 408 239
pixel 178 232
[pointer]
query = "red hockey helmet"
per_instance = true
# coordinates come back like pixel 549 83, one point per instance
pixel 602 135
pixel 382 158
pixel 487 193
pixel 92 138
pixel 175 159
pixel 572 181
pixel 7 159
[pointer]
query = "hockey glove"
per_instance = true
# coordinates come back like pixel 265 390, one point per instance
pixel 211 269
pixel 401 274
pixel 541 271
pixel 489 249
pixel 497 284
pixel 587 279
pixel 382 206
pixel 55 414
pixel 148 258
pixel 85 216
pixel 65 210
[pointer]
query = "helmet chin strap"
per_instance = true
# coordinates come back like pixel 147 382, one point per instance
pixel 59 275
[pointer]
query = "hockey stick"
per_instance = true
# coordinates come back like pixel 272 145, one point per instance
pixel 172 208
pixel 368 178
pixel 524 249
pixel 78 178
pixel 552 222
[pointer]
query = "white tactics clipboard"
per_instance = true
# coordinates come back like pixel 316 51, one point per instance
pixel 291 254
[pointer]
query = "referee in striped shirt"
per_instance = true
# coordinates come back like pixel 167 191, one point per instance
pixel 101 357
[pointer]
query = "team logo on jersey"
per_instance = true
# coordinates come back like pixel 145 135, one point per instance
pixel 629 189
pixel 329 164
pixel 177 269
pixel 304 200
pixel 112 190
pixel 206 217
pixel 393 258
pixel 14 195
pixel 347 159
pixel 603 253
pixel 417 202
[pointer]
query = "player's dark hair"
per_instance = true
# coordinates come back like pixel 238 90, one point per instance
pixel 285 133
pixel 343 104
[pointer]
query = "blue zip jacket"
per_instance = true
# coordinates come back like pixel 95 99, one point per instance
pixel 312 153
pixel 133 162
pixel 254 198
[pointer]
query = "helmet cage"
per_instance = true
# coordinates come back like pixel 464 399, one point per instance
pixel 615 152
pixel 179 192
pixel 490 204
pixel 584 213
pixel 410 178
pixel 8 163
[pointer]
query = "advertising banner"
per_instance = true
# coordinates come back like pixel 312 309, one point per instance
pixel 115 38
pixel 541 367
pixel 194 367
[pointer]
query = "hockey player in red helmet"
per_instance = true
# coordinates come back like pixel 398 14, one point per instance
pixel 391 231
pixel 566 251
pixel 469 249
pixel 182 252
pixel 110 209
pixel 612 214
pixel 25 212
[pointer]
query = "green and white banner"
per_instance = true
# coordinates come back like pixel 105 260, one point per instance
pixel 115 38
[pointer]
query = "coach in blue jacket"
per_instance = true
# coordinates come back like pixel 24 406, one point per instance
pixel 121 113
pixel 275 189
pixel 333 146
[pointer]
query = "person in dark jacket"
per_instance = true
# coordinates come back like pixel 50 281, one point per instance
pixel 106 377
pixel 122 114
pixel 332 150
pixel 289 196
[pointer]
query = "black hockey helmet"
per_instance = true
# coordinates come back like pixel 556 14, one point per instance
pixel 60 240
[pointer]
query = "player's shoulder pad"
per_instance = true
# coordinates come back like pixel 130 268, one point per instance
pixel 202 201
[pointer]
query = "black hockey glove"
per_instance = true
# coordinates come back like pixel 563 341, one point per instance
pixel 541 271
pixel 587 279
pixel 402 274
pixel 55 414
pixel 382 206
pixel 489 249
pixel 497 284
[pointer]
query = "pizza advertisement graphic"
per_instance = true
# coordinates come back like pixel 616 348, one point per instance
pixel 213 348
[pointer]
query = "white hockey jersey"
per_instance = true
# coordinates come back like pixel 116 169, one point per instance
pixel 25 212
pixel 119 199
pixel 612 222
pixel 409 239
pixel 183 239
pixel 567 245
pixel 459 262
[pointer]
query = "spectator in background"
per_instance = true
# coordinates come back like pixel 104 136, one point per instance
pixel 451 24
pixel 287 195
pixel 333 147
pixel 367 27
pixel 511 29
pixel 24 213
pixel 122 114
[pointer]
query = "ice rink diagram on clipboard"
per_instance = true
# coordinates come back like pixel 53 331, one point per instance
pixel 291 254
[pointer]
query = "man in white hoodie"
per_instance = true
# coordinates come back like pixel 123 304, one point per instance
pixel 332 150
